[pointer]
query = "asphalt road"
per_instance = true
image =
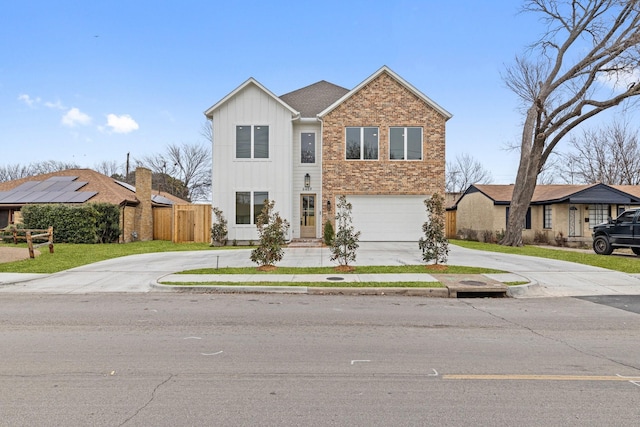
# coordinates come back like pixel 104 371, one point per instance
pixel 290 360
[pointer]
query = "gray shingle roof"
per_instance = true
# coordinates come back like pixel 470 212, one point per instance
pixel 311 100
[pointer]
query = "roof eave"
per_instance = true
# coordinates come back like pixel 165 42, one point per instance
pixel 447 115
pixel 209 112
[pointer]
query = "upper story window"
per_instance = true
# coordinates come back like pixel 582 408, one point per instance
pixel 362 143
pixel 308 148
pixel 252 142
pixel 405 143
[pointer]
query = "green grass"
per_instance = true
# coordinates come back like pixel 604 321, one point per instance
pixel 618 261
pixel 68 256
pixel 365 269
pixel 318 284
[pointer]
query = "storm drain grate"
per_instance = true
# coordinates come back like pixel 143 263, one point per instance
pixel 335 279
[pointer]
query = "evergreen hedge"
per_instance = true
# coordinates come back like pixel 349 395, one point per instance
pixel 90 223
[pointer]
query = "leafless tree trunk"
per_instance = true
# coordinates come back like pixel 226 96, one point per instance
pixel 464 171
pixel 587 44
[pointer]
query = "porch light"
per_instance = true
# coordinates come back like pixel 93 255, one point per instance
pixel 328 205
pixel 307 181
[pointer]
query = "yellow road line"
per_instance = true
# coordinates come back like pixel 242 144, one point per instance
pixel 539 377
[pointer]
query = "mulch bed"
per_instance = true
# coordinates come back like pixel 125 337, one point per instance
pixel 10 254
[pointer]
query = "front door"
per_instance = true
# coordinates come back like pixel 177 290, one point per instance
pixel 308 215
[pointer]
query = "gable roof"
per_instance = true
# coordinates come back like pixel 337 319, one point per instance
pixel 63 186
pixel 311 100
pixel 400 80
pixel 248 82
pixel 558 193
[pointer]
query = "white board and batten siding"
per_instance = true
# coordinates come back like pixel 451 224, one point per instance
pixel 388 218
pixel 251 106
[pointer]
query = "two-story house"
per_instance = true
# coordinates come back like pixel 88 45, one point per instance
pixel 381 144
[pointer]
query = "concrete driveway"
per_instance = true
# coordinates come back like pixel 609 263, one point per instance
pixel 136 273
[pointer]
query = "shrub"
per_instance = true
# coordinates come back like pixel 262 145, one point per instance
pixel 345 243
pixel 488 237
pixel 219 229
pixel 71 224
pixel 272 230
pixel 468 234
pixel 541 238
pixel 434 245
pixel 329 234
pixel 107 222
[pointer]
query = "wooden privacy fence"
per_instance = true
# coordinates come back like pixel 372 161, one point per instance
pixel 28 235
pixel 451 224
pixel 182 223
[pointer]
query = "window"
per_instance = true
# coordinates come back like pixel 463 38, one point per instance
pixel 249 204
pixel 252 142
pixel 405 143
pixel 308 148
pixel 546 221
pixel 527 219
pixel 362 143
pixel 598 214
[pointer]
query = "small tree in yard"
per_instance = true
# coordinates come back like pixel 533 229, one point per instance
pixel 219 230
pixel 434 244
pixel 272 230
pixel 345 243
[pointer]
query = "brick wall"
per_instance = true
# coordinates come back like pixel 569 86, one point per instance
pixel 144 215
pixel 382 103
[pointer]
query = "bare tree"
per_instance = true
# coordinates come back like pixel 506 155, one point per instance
pixel 184 170
pixel 17 171
pixel 110 168
pixel 464 171
pixel 587 43
pixel 610 155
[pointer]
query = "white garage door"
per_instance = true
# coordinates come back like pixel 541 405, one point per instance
pixel 388 218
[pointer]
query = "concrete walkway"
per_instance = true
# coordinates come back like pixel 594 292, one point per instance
pixel 141 273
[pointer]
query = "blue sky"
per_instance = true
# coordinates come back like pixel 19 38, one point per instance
pixel 90 81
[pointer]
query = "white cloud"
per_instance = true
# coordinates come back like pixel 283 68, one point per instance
pixel 621 81
pixel 55 105
pixel 121 124
pixel 28 100
pixel 75 117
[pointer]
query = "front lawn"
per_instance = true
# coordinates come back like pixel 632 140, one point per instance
pixel 618 261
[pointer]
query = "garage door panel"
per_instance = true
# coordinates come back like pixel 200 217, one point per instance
pixel 388 218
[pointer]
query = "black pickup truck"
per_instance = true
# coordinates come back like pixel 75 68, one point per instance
pixel 622 232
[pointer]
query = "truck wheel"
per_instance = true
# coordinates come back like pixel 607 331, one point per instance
pixel 636 251
pixel 601 246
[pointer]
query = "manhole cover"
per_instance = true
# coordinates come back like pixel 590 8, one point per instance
pixel 335 279
pixel 472 283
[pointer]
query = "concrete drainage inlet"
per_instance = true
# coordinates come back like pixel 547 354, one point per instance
pixel 335 279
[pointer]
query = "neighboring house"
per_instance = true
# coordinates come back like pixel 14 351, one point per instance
pixel 556 211
pixel 79 186
pixel 381 144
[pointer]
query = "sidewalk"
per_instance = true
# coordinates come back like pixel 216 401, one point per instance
pixel 142 273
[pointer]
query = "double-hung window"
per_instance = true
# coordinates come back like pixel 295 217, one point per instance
pixel 249 205
pixel 252 142
pixel 362 143
pixel 405 143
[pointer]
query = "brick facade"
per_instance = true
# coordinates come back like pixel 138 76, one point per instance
pixel 382 103
pixel 143 215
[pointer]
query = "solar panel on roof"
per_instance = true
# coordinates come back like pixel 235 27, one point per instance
pixel 127 186
pixel 62 178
